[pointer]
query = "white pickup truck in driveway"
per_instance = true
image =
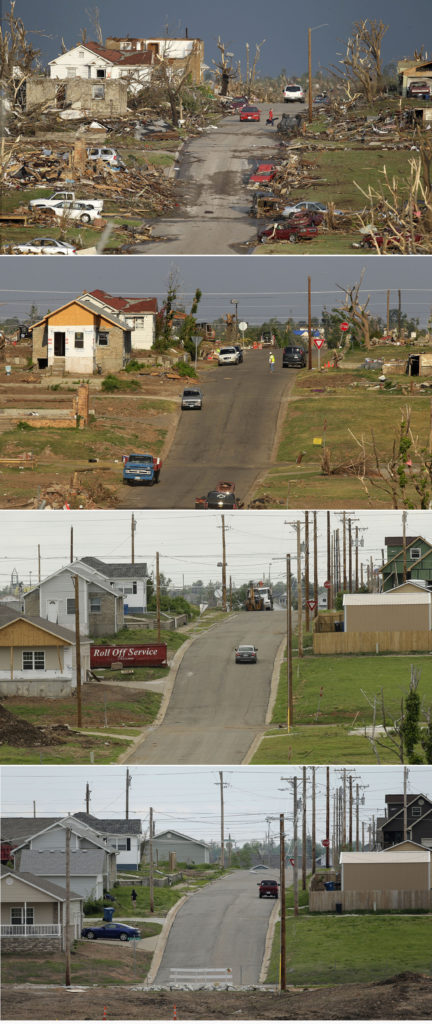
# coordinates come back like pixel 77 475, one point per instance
pixel 57 197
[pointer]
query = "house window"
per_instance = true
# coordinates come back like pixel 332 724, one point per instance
pixel 70 606
pixel 98 92
pixel 17 915
pixel 95 604
pixel 79 339
pixel 33 660
pixel 415 553
pixel 134 587
pixel 71 72
pixel 139 321
pixel 100 73
pixel 103 337
pixel 121 844
pixel 416 811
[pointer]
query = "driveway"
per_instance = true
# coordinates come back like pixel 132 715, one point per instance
pixel 217 708
pixel 213 199
pixel 232 438
pixel 223 925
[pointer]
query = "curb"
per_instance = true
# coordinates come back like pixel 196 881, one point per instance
pixel 274 916
pixel 170 681
pixel 271 702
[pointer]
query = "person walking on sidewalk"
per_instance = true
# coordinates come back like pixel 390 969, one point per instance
pixel 272 362
pixel 133 898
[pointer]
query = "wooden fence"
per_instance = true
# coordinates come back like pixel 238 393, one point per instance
pixel 372 643
pixel 379 899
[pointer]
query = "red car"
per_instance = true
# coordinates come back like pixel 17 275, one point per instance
pixel 250 114
pixel 393 242
pixel 268 887
pixel 263 173
pixel 282 231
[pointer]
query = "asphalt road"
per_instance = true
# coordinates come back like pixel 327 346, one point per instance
pixel 212 195
pixel 231 438
pixel 223 925
pixel 217 707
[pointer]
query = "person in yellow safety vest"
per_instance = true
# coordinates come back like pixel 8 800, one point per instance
pixel 272 361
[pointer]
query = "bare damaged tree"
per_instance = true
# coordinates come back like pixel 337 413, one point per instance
pixel 361 71
pixel 356 312
pixel 93 15
pixel 398 732
pixel 392 219
pixel 18 57
pixel 251 68
pixel 173 81
pixel 224 67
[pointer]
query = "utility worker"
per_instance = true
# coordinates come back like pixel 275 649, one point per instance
pixel 272 361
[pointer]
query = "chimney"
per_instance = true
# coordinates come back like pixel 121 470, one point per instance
pixel 186 34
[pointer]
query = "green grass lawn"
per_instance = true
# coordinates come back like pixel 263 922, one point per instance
pixel 339 950
pixel 317 745
pixel 80 750
pixel 91 964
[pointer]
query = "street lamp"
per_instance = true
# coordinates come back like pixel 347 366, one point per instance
pixel 197 339
pixel 234 302
pixel 310 30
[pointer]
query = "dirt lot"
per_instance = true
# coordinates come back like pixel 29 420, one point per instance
pixel 403 997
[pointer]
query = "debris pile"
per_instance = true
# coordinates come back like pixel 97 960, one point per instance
pixel 17 732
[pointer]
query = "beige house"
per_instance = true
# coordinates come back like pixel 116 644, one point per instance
pixel 81 338
pixel 179 54
pixel 391 611
pixel 138 314
pixel 37 657
pixel 33 913
pixel 394 869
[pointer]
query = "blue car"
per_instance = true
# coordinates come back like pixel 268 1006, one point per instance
pixel 111 930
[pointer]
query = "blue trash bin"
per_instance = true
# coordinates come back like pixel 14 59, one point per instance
pixel 108 913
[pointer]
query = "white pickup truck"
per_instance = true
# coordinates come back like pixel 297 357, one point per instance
pixel 57 197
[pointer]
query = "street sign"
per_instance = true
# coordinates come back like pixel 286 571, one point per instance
pixel 312 605
pixel 344 326
pixel 318 342
pixel 292 861
pixel 243 325
pixel 325 842
pixel 327 584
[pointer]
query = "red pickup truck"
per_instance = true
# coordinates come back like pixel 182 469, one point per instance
pixel 268 887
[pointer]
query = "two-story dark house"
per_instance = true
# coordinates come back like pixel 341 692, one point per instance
pixel 418 561
pixel 419 820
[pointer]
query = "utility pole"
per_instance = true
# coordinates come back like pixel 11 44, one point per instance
pixel 68 833
pixel 313 821
pixel 289 644
pixel 349 556
pixel 158 608
pixel 307 571
pixel 344 803
pixel 399 313
pixel 78 653
pixel 405 804
pixel 39 564
pixel 310 113
pixel 34 808
pixel 230 594
pixel 328 816
pixel 295 844
pixel 361 575
pixel 87 798
pixel 222 817
pixel 344 552
pixel 388 311
pixel 133 528
pixel 304 829
pixel 224 588
pixel 128 785
pixel 350 815
pixel 71 545
pixel 329 564
pixel 356 561
pixel 299 594
pixel 404 545
pixel 315 542
pixel 282 904
pixel 151 879
pixel 357 817
pixel 309 320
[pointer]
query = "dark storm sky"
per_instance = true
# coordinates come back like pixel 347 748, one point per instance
pixel 282 23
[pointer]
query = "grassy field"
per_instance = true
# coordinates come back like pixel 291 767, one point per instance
pixel 316 745
pixel 338 950
pixel 78 750
pixel 92 963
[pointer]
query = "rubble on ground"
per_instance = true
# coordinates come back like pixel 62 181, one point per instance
pixel 17 732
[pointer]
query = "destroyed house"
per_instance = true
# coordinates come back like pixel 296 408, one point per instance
pixel 91 60
pixel 81 337
pixel 181 54
pixel 411 70
pixel 416 561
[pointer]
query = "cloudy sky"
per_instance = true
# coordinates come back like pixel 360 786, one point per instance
pixel 190 544
pixel 264 285
pixel 282 23
pixel 188 798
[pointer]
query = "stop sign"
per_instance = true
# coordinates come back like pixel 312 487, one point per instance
pixel 327 584
pixel 344 326
pixel 325 842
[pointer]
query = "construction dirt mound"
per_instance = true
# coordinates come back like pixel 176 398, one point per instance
pixel 17 732
pixel 406 996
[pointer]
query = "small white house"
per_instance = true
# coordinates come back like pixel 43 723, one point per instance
pixel 139 314
pixel 124 835
pixel 129 579
pixel 91 60
pixel 33 913
pixel 100 603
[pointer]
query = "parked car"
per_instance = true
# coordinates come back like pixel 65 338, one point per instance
pixel 393 243
pixel 307 206
pixel 44 247
pixel 83 212
pixel 286 231
pixel 250 114
pixel 48 202
pixel 228 355
pixel 217 499
pixel 419 90
pixel 111 930
pixel 293 94
pixel 105 153
pixel 237 102
pixel 246 654
pixel 263 173
pixel 240 352
pixel 191 398
pixel 293 355
pixel 268 887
